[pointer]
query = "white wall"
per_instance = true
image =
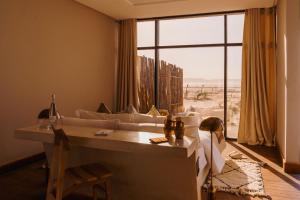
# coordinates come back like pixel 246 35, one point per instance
pixel 289 79
pixel 51 46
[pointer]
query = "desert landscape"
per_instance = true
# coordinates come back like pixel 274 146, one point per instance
pixel 207 97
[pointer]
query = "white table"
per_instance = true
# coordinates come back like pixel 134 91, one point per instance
pixel 141 170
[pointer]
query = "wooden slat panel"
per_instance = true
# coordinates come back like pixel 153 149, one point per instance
pixel 170 85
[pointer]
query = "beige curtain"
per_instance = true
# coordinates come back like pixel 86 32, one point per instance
pixel 258 101
pixel 127 73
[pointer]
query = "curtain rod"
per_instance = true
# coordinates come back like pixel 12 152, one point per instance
pixel 192 15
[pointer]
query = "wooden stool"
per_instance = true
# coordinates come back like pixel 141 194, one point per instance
pixel 63 181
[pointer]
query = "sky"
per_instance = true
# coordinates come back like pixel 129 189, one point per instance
pixel 205 62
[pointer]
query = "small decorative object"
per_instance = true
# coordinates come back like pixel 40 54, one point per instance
pixel 153 112
pixel 213 125
pixel 158 140
pixel 103 132
pixel 163 112
pixel 179 128
pixel 43 119
pixel 169 126
pixel 103 109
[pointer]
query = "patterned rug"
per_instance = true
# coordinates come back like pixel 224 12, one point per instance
pixel 241 177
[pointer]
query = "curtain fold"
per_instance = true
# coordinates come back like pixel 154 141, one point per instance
pixel 127 73
pixel 258 98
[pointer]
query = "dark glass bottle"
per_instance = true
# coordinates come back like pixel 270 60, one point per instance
pixel 179 128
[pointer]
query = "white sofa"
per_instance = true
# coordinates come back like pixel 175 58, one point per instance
pixel 189 118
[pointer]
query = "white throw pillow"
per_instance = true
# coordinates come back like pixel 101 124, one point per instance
pixel 218 161
pixel 108 124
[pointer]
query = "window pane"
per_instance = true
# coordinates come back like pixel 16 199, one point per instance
pixel 145 33
pixel 203 80
pixel 146 53
pixel 234 74
pixel 235 28
pixel 145 69
pixel 197 30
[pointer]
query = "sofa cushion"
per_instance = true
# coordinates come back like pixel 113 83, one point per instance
pixel 109 124
pixel 144 118
pixel 147 127
pixel 123 117
pixel 85 114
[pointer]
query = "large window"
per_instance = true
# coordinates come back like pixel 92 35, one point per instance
pixel 192 64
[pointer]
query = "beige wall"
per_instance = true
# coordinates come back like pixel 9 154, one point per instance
pixel 51 46
pixel 293 81
pixel 289 79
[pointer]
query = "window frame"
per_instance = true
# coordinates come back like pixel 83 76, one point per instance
pixel 225 45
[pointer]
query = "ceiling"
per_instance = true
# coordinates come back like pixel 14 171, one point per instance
pixel 123 9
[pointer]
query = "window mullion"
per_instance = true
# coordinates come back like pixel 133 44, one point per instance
pixel 156 68
pixel 225 76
